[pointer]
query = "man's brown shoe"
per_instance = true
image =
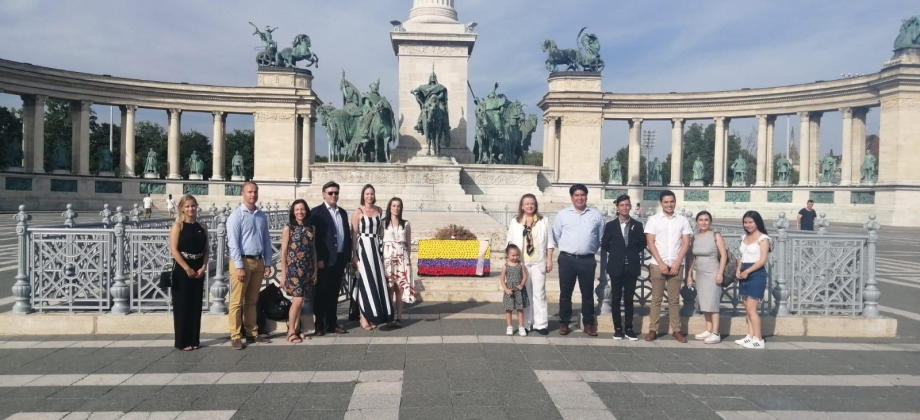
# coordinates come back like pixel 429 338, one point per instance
pixel 590 330
pixel 338 330
pixel 651 336
pixel 258 339
pixel 236 344
pixel 679 337
pixel 564 329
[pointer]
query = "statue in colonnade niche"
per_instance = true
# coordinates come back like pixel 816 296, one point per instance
pixel 739 169
pixel 909 35
pixel 503 130
pixel 14 155
pixel 783 168
pixel 105 163
pixel 195 165
pixel 236 165
pixel 586 58
pixel 697 169
pixel 433 120
pixel 60 161
pixel 868 168
pixel 828 168
pixel 655 172
pixel 614 172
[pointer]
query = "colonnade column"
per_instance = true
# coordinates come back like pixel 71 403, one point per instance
pixel 771 142
pixel 127 140
pixel 761 179
pixel 79 146
pixel 549 126
pixel 718 162
pixel 804 149
pixel 846 146
pixel 635 151
pixel 677 151
pixel 814 137
pixel 858 146
pixel 219 145
pixel 172 143
pixel 33 133
pixel 308 147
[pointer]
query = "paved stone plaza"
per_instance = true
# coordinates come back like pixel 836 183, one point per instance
pixel 452 361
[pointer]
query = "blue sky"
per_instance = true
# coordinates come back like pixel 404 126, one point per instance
pixel 649 46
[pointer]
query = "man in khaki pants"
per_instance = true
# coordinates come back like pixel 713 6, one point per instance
pixel 250 262
pixel 668 237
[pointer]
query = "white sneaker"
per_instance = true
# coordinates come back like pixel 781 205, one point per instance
pixel 755 344
pixel 510 330
pixel 742 341
pixel 713 339
pixel 522 332
pixel 703 335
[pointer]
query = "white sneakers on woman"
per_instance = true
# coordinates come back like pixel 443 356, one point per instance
pixel 749 342
pixel 743 340
pixel 509 330
pixel 713 339
pixel 703 335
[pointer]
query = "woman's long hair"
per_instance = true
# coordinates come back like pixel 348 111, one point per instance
pixel 758 221
pixel 180 215
pixel 536 208
pixel 292 220
pixel 366 186
pixel 388 215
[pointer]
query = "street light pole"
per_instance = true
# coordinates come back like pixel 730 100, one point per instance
pixel 648 143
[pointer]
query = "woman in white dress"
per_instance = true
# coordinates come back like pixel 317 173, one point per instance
pixel 530 231
pixel 370 290
pixel 397 245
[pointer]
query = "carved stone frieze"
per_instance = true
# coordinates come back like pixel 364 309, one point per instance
pixel 423 177
pixel 437 49
pixel 582 120
pixel 273 116
pixel 575 85
pixel 502 178
pixel 276 80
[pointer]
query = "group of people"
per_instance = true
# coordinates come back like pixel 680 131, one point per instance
pixel 317 245
pixel 579 232
pixel 171 208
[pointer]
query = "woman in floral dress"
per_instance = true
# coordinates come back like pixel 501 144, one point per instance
pixel 298 265
pixel 397 240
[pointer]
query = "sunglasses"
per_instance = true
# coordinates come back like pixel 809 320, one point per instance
pixel 332 192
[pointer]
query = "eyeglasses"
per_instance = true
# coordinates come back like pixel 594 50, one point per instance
pixel 332 192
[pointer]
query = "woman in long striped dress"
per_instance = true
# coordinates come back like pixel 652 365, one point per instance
pixel 370 290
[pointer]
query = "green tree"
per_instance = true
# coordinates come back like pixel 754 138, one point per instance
pixel 193 141
pixel 10 131
pixel 242 141
pixel 149 135
pixel 58 131
pixel 321 159
pixel 534 158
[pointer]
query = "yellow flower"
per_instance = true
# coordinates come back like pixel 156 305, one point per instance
pixel 450 249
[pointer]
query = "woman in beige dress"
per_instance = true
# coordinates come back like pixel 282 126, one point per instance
pixel 708 261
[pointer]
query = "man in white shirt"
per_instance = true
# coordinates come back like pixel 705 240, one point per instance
pixel 171 206
pixel 668 236
pixel 148 206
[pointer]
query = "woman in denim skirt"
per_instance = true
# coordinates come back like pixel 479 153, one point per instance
pixel 752 275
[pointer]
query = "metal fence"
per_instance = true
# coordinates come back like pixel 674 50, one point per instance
pixel 114 266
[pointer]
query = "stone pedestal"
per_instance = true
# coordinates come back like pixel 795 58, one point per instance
pixel 60 172
pixel 433 40
pixel 277 130
pixel 237 178
pixel 697 183
pixel 654 183
pixel 150 175
pixel 107 174
pixel 826 184
pixel 195 177
pixel 16 169
pixel 781 184
pixel 578 157
pixel 737 185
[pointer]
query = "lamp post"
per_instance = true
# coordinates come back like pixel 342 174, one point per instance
pixel 648 143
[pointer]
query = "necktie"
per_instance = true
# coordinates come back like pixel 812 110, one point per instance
pixel 528 238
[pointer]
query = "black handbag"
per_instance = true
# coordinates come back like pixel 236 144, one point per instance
pixel 166 276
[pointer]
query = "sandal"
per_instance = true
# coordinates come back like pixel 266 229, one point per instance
pixel 296 338
pixel 304 336
pixel 396 324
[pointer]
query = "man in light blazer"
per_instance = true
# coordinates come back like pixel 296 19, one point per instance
pixel 333 252
pixel 624 241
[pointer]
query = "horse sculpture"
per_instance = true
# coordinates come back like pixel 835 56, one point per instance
pixel 340 129
pixel 435 128
pixel 528 127
pixel 299 50
pixel 586 58
pixel 567 57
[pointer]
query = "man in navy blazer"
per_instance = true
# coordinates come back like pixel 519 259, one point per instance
pixel 333 252
pixel 624 241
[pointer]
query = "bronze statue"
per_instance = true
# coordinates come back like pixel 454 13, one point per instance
pixel 909 35
pixel 586 58
pixel 868 167
pixel 433 121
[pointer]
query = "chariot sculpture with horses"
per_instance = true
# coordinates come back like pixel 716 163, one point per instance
pixel 270 56
pixel 586 58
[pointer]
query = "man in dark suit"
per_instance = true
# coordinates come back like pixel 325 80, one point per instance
pixel 333 252
pixel 624 240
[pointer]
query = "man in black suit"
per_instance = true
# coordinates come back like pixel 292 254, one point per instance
pixel 624 240
pixel 333 252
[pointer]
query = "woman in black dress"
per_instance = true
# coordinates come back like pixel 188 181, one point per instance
pixel 188 244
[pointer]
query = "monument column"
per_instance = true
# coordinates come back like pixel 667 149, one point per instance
pixel 33 133
pixel 718 161
pixel 846 147
pixel 858 146
pixel 804 149
pixel 814 138
pixel 761 180
pixel 635 152
pixel 308 147
pixel 677 151
pixel 219 146
pixel 127 140
pixel 771 142
pixel 79 152
pixel 549 124
pixel 172 144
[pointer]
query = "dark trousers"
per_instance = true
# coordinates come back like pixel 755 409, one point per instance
pixel 622 287
pixel 328 286
pixel 573 269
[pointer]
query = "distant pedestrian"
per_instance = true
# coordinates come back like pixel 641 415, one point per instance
pixel 577 233
pixel 333 253
pixel 250 262
pixel 707 263
pixel 668 236
pixel 638 210
pixel 513 281
pixel 752 276
pixel 148 206
pixel 624 240
pixel 806 218
pixel 298 265
pixel 171 206
pixel 188 245
pixel 530 231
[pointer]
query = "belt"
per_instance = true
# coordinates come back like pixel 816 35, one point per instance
pixel 368 235
pixel 581 256
pixel 189 256
pixel 252 257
